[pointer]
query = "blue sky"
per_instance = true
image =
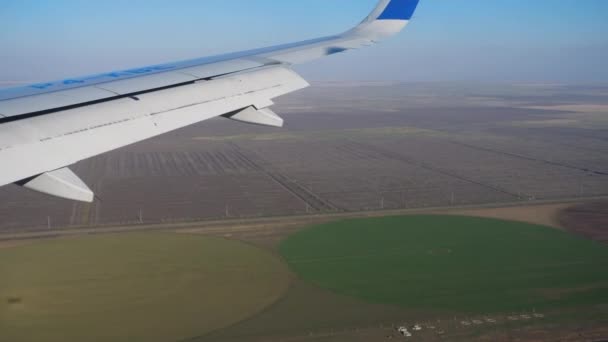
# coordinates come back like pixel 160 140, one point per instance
pixel 449 40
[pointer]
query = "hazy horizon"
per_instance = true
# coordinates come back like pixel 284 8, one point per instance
pixel 482 41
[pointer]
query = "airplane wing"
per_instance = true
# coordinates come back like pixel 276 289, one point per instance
pixel 46 127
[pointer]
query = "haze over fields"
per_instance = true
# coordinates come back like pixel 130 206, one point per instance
pixel 350 147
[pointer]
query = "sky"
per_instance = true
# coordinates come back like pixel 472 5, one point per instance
pixel 524 41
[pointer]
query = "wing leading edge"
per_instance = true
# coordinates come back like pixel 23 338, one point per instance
pixel 48 126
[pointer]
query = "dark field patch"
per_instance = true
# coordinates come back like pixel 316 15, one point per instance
pixel 587 219
pixel 13 300
pixel 455 263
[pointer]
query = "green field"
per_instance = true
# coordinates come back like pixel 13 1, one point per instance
pixel 451 263
pixel 133 287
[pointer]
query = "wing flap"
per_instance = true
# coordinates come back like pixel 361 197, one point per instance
pixel 110 90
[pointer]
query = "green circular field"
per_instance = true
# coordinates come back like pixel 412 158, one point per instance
pixel 451 263
pixel 133 287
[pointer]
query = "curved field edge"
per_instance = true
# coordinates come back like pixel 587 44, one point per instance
pixel 453 263
pixel 134 287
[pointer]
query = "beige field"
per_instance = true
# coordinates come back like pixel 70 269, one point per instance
pixel 544 214
pixel 133 287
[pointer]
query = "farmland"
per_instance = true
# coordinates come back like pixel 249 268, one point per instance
pixel 133 287
pixel 588 219
pixel 209 282
pixel 454 264
pixel 466 278
pixel 348 151
pixel 348 148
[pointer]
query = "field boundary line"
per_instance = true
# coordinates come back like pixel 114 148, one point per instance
pixel 275 220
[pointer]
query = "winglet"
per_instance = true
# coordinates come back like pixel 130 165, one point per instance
pixel 388 18
pixel 393 10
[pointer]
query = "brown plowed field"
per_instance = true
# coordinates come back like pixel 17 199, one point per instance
pixel 588 219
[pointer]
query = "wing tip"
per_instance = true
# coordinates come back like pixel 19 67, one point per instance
pixel 395 10
pixel 388 18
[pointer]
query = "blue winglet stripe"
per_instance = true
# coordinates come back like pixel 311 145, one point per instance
pixel 399 10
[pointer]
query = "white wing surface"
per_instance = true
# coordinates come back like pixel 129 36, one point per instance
pixel 46 127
